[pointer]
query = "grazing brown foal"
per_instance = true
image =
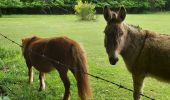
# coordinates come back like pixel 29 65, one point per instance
pixel 63 50
pixel 145 53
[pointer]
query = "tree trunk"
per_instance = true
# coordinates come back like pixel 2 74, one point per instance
pixel 0 13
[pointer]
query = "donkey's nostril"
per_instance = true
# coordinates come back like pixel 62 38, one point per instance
pixel 113 61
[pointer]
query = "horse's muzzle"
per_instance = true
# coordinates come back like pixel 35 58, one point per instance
pixel 113 60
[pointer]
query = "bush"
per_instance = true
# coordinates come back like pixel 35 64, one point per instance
pixel 86 11
pixel 10 3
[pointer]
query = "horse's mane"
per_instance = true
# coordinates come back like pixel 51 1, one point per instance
pixel 29 41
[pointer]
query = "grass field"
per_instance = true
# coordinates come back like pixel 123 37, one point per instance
pixel 13 73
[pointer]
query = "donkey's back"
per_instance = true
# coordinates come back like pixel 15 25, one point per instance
pixel 156 55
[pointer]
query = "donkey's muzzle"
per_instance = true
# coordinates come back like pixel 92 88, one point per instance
pixel 113 60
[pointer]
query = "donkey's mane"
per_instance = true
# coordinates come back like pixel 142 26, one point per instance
pixel 164 34
pixel 150 32
pixel 135 26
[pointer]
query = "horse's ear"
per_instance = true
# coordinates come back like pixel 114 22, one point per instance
pixel 107 13
pixel 34 37
pixel 122 14
pixel 23 40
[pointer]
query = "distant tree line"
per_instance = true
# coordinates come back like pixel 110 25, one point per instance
pixel 10 6
pixel 114 3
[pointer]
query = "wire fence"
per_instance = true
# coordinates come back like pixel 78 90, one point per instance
pixel 59 63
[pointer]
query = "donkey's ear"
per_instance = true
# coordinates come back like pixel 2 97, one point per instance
pixel 107 13
pixel 121 13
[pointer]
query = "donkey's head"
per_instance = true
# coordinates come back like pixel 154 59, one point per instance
pixel 114 32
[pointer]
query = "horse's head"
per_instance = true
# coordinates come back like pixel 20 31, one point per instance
pixel 114 32
pixel 26 41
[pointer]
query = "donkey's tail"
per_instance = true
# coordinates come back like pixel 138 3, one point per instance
pixel 80 72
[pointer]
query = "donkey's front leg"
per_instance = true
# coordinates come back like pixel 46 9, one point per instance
pixel 137 84
pixel 42 82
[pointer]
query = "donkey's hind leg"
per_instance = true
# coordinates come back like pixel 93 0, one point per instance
pixel 137 84
pixel 42 82
pixel 65 79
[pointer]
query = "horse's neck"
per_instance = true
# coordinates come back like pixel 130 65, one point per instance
pixel 132 44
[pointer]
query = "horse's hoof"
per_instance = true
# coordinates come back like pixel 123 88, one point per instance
pixel 41 89
pixel 30 83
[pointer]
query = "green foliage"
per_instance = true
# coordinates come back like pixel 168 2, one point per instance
pixel 99 3
pixel 133 3
pixel 86 11
pixel 10 3
pixel 30 3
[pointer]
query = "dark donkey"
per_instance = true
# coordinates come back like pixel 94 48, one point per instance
pixel 67 52
pixel 145 53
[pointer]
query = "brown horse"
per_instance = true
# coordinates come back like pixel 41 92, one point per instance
pixel 145 53
pixel 62 50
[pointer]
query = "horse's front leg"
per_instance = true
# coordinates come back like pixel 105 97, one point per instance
pixel 137 84
pixel 42 82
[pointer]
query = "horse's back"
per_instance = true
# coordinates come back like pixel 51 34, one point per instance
pixel 57 49
pixel 60 48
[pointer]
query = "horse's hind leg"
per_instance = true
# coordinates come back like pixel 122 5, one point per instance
pixel 30 74
pixel 65 79
pixel 137 84
pixel 42 82
pixel 30 70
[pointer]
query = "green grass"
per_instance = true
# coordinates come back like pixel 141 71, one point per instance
pixel 90 35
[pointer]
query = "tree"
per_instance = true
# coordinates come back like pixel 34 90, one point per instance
pixel 0 12
pixel 167 4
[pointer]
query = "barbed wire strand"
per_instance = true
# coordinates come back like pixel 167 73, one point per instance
pixel 94 76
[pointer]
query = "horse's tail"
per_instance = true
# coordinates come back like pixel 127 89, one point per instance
pixel 80 72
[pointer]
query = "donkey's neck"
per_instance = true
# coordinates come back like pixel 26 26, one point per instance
pixel 133 42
